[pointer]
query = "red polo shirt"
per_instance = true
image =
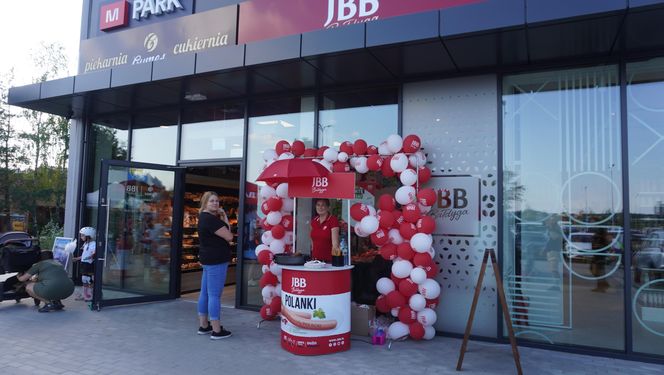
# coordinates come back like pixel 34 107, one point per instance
pixel 321 237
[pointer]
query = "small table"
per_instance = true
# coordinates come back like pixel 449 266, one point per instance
pixel 315 309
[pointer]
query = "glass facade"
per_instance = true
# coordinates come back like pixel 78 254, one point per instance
pixel 154 137
pixel 563 262
pixel 645 131
pixel 212 132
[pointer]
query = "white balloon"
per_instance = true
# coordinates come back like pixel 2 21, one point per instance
pixel 408 177
pixel 385 285
pixel 361 164
pixel 267 238
pixel 330 155
pixel 395 236
pixel 262 247
pixel 405 195
pixel 383 150
pixel 273 218
pixel 326 164
pixel 418 159
pixel 342 157
pixel 417 302
pixel 421 242
pixel 282 190
pixel 269 154
pixel 266 301
pixel 359 231
pixel 275 269
pixel 432 252
pixel 287 204
pixel 286 156
pixel 267 192
pixel 277 247
pixel 369 224
pixel 429 332
pixel 424 209
pixel 418 275
pixel 288 238
pixel 427 317
pixel 394 143
pixel 397 330
pixel 395 312
pixel 268 291
pixel 372 210
pixel 429 289
pixel 265 268
pixel 277 289
pixel 399 162
pixel 401 268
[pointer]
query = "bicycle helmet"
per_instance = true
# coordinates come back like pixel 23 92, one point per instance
pixel 88 231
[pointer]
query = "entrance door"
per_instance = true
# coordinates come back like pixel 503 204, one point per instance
pixel 136 251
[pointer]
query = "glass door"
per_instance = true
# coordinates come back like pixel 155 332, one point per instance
pixel 136 252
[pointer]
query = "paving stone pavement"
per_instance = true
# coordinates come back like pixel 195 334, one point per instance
pixel 160 338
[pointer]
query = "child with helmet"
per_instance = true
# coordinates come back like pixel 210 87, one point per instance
pixel 87 258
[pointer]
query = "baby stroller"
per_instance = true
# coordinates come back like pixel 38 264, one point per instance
pixel 18 252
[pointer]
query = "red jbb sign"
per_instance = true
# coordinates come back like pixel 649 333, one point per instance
pixel 335 185
pixel 114 15
pixel 265 19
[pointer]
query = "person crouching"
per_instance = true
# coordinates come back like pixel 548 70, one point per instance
pixel 48 282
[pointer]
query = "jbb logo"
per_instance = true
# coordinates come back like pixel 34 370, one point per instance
pixel 319 182
pixel 348 9
pixel 298 282
pixel 457 198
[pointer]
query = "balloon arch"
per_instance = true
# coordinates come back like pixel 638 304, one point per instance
pixel 403 232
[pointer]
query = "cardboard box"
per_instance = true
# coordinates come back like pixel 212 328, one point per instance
pixel 360 317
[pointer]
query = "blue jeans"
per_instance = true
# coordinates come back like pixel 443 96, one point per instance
pixel 212 285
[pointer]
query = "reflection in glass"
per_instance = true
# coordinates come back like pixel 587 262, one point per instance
pixel 213 132
pixel 270 121
pixel 563 232
pixel 645 125
pixel 369 115
pixel 154 138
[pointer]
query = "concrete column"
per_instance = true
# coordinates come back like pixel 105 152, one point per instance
pixel 74 170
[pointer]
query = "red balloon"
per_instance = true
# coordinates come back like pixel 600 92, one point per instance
pixel 416 331
pixel 407 315
pixel 426 197
pixel 431 270
pixel 387 251
pixel 282 146
pixel 385 219
pixel 386 202
pixel 395 299
pixel 398 218
pixel 360 147
pixel 433 303
pixel 386 169
pixel 264 208
pixel 374 162
pixel 267 313
pixel 405 251
pixel 358 211
pixel 423 175
pixel 310 153
pixel 407 230
pixel 407 287
pixel 297 148
pixel 411 212
pixel 395 280
pixel 278 232
pixel 265 225
pixel 274 203
pixel 268 278
pixel 372 150
pixel 321 151
pixel 411 144
pixel 381 304
pixel 346 147
pixel 287 222
pixel 275 305
pixel 338 166
pixel 265 257
pixel 422 260
pixel 380 237
pixel 426 224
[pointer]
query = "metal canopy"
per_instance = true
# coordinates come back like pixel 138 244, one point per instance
pixel 498 34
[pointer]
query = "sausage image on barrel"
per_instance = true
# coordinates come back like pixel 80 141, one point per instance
pixel 304 321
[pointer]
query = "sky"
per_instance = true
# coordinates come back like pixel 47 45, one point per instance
pixel 24 24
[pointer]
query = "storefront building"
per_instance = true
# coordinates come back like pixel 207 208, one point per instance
pixel 555 108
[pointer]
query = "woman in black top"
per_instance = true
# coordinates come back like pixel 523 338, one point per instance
pixel 214 254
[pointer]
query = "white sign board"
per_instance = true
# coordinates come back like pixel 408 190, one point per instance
pixel 457 208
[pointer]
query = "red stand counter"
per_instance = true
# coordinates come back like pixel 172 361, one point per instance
pixel 315 309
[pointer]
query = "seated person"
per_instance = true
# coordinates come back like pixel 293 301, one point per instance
pixel 48 282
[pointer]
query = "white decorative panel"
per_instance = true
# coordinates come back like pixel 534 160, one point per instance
pixel 457 122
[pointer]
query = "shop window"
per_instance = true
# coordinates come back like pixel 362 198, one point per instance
pixel 645 129
pixel 371 115
pixel 154 137
pixel 212 132
pixel 562 196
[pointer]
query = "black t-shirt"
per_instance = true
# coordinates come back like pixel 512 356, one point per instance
pixel 213 249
